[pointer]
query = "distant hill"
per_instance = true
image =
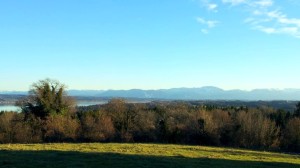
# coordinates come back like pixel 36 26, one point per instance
pixel 13 92
pixel 202 93
pixel 10 98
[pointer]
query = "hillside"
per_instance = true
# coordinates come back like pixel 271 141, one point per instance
pixel 137 155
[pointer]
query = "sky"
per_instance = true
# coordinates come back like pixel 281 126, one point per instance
pixel 150 44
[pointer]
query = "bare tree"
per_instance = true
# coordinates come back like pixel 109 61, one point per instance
pixel 291 136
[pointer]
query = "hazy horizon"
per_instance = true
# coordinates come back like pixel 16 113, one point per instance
pixel 123 45
pixel 70 89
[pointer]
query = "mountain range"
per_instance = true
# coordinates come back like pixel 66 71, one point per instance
pixel 202 93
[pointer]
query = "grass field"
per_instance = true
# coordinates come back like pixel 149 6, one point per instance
pixel 137 155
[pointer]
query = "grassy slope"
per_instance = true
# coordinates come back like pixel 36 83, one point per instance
pixel 137 155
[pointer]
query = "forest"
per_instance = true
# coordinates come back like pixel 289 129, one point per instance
pixel 50 115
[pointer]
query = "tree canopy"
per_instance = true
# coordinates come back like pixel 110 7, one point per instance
pixel 47 97
pixel 297 111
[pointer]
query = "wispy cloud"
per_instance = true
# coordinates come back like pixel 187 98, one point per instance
pixel 208 24
pixel 209 5
pixel 264 3
pixel 204 31
pixel 212 7
pixel 234 2
pixel 294 2
pixel 275 22
pixel 264 15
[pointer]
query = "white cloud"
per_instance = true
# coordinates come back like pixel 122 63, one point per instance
pixel 293 31
pixel 208 24
pixel 264 3
pixel 234 2
pixel 283 19
pixel 209 5
pixel 275 22
pixel 268 30
pixel 265 16
pixel 204 31
pixel 259 3
pixel 212 7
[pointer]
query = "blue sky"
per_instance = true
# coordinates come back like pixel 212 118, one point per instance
pixel 150 44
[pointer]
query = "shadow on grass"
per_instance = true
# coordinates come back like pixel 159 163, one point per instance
pixel 80 159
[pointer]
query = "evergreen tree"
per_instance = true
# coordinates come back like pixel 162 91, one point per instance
pixel 47 97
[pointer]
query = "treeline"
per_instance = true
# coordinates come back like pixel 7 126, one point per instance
pixel 48 115
pixel 174 122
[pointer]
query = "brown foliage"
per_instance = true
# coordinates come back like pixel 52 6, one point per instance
pixel 98 127
pixel 59 128
pixel 170 122
pixel 13 129
pixel 123 117
pixel 6 127
pixel 214 122
pixel 291 136
pixel 256 130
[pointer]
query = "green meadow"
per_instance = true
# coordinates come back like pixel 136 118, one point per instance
pixel 137 155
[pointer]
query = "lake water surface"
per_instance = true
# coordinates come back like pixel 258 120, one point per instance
pixel 90 103
pixel 18 109
pixel 9 108
pixel 79 103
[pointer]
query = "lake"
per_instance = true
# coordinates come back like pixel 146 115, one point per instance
pixel 18 109
pixel 79 103
pixel 90 103
pixel 9 108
